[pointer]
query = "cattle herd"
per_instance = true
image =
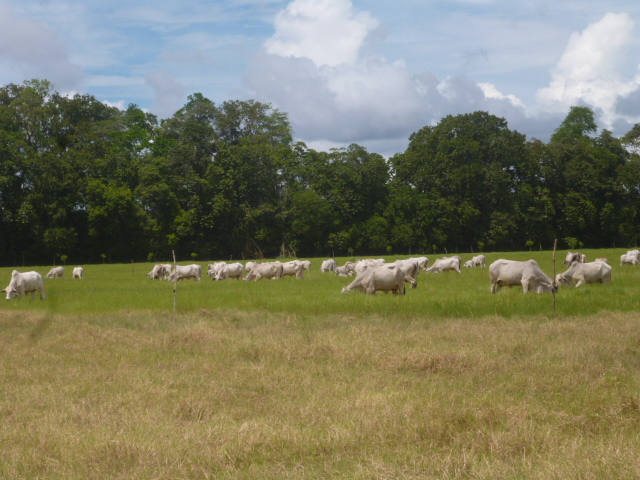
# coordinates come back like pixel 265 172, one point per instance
pixel 371 275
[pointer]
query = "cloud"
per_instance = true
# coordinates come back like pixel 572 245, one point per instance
pixel 318 67
pixel 169 94
pixel 30 49
pixel 328 32
pixel 590 69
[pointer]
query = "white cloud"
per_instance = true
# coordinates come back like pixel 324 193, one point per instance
pixel 169 93
pixel 31 49
pixel 590 69
pixel 335 93
pixel 329 32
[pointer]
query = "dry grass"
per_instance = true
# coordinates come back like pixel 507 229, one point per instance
pixel 216 394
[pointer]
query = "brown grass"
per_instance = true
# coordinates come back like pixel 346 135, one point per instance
pixel 255 395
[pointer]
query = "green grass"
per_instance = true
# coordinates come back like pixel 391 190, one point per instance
pixel 292 379
pixel 125 287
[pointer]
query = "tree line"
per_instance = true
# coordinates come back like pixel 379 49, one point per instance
pixel 89 182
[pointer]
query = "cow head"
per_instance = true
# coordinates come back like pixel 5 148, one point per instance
pixel 10 291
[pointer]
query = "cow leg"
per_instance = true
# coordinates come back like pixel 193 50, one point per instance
pixel 580 282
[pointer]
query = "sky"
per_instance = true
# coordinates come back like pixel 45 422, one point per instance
pixel 344 71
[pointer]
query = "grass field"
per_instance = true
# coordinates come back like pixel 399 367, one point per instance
pixel 291 379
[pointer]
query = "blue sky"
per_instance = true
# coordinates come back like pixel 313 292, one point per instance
pixel 345 71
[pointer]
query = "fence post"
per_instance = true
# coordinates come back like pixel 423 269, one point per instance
pixel 553 280
pixel 175 282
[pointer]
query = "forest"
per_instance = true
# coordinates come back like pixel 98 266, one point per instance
pixel 84 182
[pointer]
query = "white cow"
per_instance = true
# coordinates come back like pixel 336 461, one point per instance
pixel 423 262
pixel 214 268
pixel 230 270
pixel 185 272
pixel 574 257
pixel 360 265
pixel 23 283
pixel 383 278
pixel 629 259
pixel 294 267
pixel 581 273
pixel 158 272
pixel 328 265
pixel 445 264
pixel 411 269
pixel 55 272
pixel 168 268
pixel 272 270
pixel 477 261
pixel 510 273
pixel 78 272
pixel 346 270
pixel 306 264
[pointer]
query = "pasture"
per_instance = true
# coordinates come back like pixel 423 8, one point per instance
pixel 292 379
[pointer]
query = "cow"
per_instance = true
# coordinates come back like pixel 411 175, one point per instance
pixel 423 262
pixel 158 272
pixel 294 267
pixel 383 278
pixel 230 270
pixel 629 259
pixel 477 261
pixel 360 265
pixel 168 268
pixel 78 272
pixel 185 272
pixel 272 270
pixel 445 264
pixel 346 270
pixel 306 264
pixel 581 273
pixel 55 272
pixel 23 283
pixel 214 268
pixel 328 265
pixel 574 257
pixel 510 273
pixel 411 269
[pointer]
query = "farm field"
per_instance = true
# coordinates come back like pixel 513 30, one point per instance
pixel 292 379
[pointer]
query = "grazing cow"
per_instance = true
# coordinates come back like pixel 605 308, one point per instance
pixel 509 273
pixel 477 261
pixel 272 270
pixel 78 272
pixel 411 269
pixel 158 272
pixel 185 272
pixel 168 268
pixel 306 264
pixel 574 257
pixel 382 278
pixel 343 271
pixel 445 264
pixel 230 270
pixel 55 272
pixel 328 265
pixel 581 273
pixel 23 283
pixel 629 259
pixel 423 262
pixel 294 267
pixel 360 265
pixel 214 268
